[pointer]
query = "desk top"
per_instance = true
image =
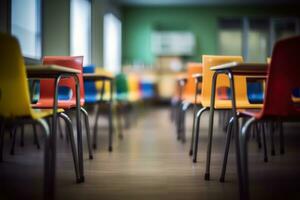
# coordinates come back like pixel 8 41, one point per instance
pixel 243 68
pixel 197 76
pixel 95 77
pixel 50 71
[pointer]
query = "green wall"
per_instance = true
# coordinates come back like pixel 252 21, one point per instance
pixel 138 23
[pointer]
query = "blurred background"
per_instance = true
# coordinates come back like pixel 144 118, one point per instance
pixel 151 39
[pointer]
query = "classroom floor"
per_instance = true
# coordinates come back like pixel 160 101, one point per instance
pixel 149 163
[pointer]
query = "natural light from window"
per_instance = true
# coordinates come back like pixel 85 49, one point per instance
pixel 26 25
pixel 81 29
pixel 112 43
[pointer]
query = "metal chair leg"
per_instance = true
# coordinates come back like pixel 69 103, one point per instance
pixel 36 139
pixel 258 139
pixel 281 136
pixel 22 136
pixel 96 128
pixel 227 146
pixel 185 107
pixel 47 157
pixel 198 116
pixel 110 124
pixel 14 133
pixel 193 130
pixel 264 142
pixel 210 126
pixel 178 120
pixel 2 126
pixel 73 145
pixel 243 163
pixel 119 122
pixel 272 130
pixel 88 135
pixel 61 135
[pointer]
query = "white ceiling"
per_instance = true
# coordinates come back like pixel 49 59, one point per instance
pixel 206 2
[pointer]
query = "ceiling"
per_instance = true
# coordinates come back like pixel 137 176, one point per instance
pixel 205 2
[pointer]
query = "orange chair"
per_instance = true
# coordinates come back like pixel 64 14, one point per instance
pixel 188 97
pixel 220 104
pixel 177 96
pixel 15 108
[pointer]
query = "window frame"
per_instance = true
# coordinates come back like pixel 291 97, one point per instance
pixel 31 60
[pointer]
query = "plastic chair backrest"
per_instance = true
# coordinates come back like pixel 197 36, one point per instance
pixel 147 85
pixel 134 92
pixel 14 92
pixel 121 84
pixel 190 87
pixel 222 81
pixel 99 84
pixel 47 85
pixel 283 79
pixel 90 91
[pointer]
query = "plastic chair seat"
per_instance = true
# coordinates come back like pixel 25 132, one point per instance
pixel 251 112
pixel 227 104
pixel 191 98
pixel 38 113
pixel 91 98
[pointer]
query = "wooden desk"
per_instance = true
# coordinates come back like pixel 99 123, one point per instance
pixel 41 71
pixel 230 69
pixel 197 77
pixel 97 77
pixel 247 69
pixel 57 73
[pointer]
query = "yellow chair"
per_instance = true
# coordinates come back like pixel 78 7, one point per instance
pixel 242 101
pixel 105 88
pixel 99 84
pixel 15 105
pixel 133 87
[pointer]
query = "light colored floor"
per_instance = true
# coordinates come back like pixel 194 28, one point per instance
pixel 149 163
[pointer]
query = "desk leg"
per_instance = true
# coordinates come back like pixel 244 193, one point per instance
pixel 211 124
pixel 194 115
pixel 79 130
pixel 50 165
pixel 110 147
pixel 236 133
pixel 243 164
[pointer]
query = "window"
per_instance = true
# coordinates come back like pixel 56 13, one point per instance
pixel 112 43
pixel 230 37
pixel 253 37
pixel 26 26
pixel 258 40
pixel 80 29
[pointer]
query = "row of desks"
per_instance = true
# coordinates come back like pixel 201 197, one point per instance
pixel 57 73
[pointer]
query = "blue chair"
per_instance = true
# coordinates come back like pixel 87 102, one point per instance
pixel 91 93
pixel 255 92
pixel 148 89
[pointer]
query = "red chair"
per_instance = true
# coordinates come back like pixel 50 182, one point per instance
pixel 47 89
pixel 282 80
